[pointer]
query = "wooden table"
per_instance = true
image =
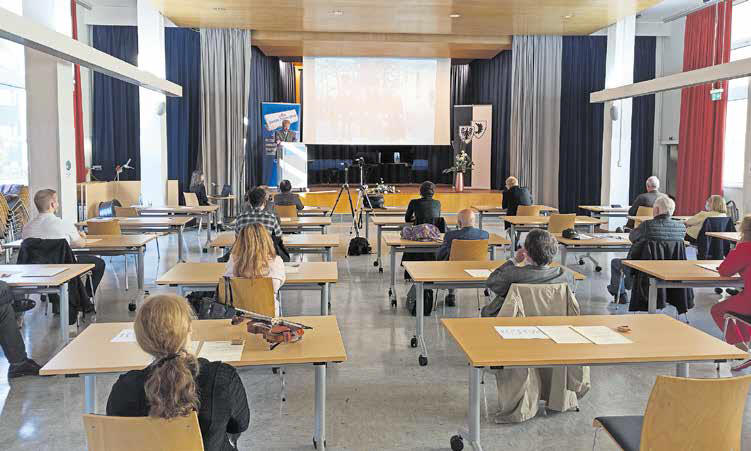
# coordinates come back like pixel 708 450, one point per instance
pixel 605 211
pixel 526 223
pixel 208 211
pixel 304 223
pixel 93 353
pixel 143 224
pixel 396 223
pixel 647 218
pixel 656 339
pixel 317 276
pixel 111 245
pixel 397 244
pixel 610 242
pixel 498 211
pixel 304 243
pixel 728 236
pixel 385 211
pixel 680 274
pixel 446 275
pixel 22 282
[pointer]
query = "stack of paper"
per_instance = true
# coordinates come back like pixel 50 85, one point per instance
pixel 563 334
pixel 709 266
pixel 520 332
pixel 601 335
pixel 223 351
pixel 478 273
pixel 124 336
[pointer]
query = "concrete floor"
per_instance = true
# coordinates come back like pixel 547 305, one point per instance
pixel 378 399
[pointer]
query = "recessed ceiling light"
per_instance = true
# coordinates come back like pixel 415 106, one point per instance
pixel 337 12
pixel 455 16
pixel 568 16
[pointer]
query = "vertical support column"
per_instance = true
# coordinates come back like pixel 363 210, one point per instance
pixel 746 208
pixel 153 106
pixel 49 111
pixel 616 145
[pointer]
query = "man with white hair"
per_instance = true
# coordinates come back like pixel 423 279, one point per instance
pixel 661 228
pixel 467 231
pixel 645 199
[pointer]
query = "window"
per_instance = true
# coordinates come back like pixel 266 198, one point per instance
pixel 14 165
pixel 735 126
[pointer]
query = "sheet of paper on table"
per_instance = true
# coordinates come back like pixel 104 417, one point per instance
pixel 520 332
pixel 291 269
pixel 92 241
pixel 223 351
pixel 563 334
pixel 6 274
pixel 478 273
pixel 124 336
pixel 601 335
pixel 709 266
pixel 42 272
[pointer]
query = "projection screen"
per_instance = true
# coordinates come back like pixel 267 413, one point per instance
pixel 376 101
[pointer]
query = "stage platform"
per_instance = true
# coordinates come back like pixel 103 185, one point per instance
pixel 451 202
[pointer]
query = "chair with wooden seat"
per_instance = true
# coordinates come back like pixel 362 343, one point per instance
pixel 469 250
pixel 130 212
pixel 644 211
pixel 560 222
pixel 684 413
pixel 105 433
pixel 286 211
pixel 109 227
pixel 528 210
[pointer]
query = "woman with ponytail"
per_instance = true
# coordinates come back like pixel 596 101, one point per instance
pixel 176 382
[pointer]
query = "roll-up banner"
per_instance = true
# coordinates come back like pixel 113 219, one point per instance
pixel 473 126
pixel 280 123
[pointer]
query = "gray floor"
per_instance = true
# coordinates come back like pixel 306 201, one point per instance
pixel 378 399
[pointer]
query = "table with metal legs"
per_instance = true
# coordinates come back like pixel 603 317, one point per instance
pixel 610 243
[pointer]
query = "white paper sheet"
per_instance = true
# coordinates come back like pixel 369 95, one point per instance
pixel 6 274
pixel 520 332
pixel 292 269
pixel 42 272
pixel 478 273
pixel 125 336
pixel 601 335
pixel 711 267
pixel 563 334
pixel 223 351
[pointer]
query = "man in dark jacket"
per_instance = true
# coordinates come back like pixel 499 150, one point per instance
pixel 661 228
pixel 467 231
pixel 515 195
pixel 645 199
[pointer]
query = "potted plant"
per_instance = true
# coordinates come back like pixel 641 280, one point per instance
pixel 462 163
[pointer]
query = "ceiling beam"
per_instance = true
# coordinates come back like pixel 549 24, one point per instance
pixel 31 34
pixel 726 71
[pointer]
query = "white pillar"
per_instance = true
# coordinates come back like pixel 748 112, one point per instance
pixel 746 206
pixel 49 105
pixel 616 145
pixel 153 106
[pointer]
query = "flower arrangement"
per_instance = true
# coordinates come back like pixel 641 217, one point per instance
pixel 462 163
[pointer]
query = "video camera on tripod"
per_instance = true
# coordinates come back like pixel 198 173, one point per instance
pixel 362 197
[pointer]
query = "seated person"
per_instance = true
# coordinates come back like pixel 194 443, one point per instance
pixel 47 226
pixel 257 213
pixel 645 199
pixel 11 340
pixel 531 264
pixel 467 231
pixel 714 208
pixel 424 209
pixel 253 256
pixel 661 228
pixel 198 187
pixel 287 197
pixel 176 382
pixel 514 196
pixel 738 261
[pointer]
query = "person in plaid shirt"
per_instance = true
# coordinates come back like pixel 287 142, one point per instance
pixel 257 214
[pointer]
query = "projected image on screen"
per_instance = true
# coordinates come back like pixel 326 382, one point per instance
pixel 387 101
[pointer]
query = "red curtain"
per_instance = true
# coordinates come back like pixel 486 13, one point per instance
pixel 78 105
pixel 702 129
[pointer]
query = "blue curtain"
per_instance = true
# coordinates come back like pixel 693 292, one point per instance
pixel 580 168
pixel 116 124
pixel 643 119
pixel 265 86
pixel 183 53
pixel 490 83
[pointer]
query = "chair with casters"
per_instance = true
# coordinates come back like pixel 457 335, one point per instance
pixel 105 433
pixel 109 227
pixel 528 210
pixel 469 250
pixel 683 413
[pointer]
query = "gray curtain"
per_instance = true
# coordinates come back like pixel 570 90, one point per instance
pixel 536 115
pixel 287 74
pixel 225 88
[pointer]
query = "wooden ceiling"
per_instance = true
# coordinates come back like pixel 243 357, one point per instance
pixel 419 28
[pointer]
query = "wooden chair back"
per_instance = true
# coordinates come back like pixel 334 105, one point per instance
pixel 286 211
pixel 126 212
pixel 111 227
pixel 558 223
pixel 105 433
pixel 191 200
pixel 252 295
pixel 645 211
pixel 469 250
pixel 528 210
pixel 684 413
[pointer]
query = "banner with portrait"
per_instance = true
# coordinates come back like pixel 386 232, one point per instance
pixel 280 123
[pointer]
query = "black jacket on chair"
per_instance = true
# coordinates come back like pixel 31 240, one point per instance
pixel 714 248
pixel 515 197
pixel 55 252
pixel 681 298
pixel 422 210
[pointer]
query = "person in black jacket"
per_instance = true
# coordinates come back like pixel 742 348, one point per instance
pixel 645 199
pixel 515 195
pixel 424 209
pixel 176 382
pixel 198 187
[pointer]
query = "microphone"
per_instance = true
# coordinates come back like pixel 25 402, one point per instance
pixel 127 164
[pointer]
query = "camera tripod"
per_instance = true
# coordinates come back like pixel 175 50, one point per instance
pixel 361 194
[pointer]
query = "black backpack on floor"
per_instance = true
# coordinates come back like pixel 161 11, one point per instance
pixel 427 299
pixel 358 246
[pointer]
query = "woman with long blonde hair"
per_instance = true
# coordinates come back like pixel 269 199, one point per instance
pixel 254 256
pixel 176 382
pixel 714 208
